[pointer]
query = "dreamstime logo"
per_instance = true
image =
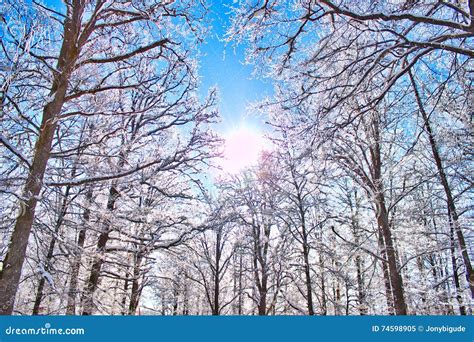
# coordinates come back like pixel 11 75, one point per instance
pixel 46 330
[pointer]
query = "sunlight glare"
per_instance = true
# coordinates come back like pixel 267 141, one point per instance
pixel 242 149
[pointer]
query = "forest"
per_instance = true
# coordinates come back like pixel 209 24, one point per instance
pixel 114 199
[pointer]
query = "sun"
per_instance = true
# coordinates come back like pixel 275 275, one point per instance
pixel 242 149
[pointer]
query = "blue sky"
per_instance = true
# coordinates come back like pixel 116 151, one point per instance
pixel 223 66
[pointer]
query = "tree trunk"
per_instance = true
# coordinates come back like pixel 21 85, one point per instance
pixel 93 281
pixel 307 267
pixel 185 311
pixel 386 275
pixel 16 252
pixel 337 297
pixel 216 306
pixel 358 259
pixel 396 281
pixel 13 262
pixel 136 289
pixel 72 291
pixel 360 287
pixel 457 284
pixel 49 255
pixel 175 299
pixel 262 302
pixel 260 258
pixel 360 279
pixel 76 264
pixel 447 189
pixel 324 305
pixel 238 288
pixel 304 241
pixel 125 292
pixel 307 272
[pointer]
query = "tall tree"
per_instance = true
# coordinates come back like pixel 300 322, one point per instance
pixel 84 31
